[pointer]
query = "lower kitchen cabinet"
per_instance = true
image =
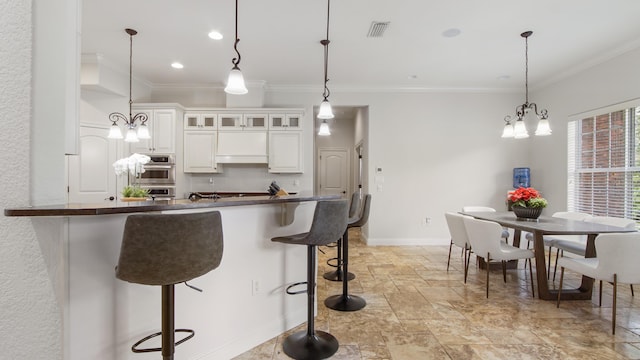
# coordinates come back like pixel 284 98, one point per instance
pixel 285 152
pixel 200 152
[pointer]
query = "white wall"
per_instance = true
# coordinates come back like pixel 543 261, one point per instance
pixel 612 82
pixel 437 151
pixel 31 315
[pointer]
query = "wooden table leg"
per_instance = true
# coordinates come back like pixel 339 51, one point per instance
pixel 544 293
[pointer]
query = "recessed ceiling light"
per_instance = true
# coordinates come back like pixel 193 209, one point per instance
pixel 177 65
pixel 504 77
pixel 215 35
pixel 412 77
pixel 453 32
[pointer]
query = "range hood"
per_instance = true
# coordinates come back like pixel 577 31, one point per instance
pixel 242 147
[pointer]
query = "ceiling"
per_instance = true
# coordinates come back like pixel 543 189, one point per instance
pixel 280 41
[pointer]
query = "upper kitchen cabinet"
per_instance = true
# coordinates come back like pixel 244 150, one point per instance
pixel 238 121
pixel 285 122
pixel 162 125
pixel 200 121
pixel 285 143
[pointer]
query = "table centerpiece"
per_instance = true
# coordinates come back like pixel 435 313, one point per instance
pixel 526 203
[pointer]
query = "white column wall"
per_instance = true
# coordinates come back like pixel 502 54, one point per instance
pixel 31 315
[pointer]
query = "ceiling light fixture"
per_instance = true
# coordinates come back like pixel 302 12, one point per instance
pixel 325 111
pixel 215 35
pixel 130 122
pixel 235 82
pixel 518 129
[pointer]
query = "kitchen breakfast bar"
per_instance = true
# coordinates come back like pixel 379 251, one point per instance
pixel 243 302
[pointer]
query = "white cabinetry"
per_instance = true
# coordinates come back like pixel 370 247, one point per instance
pixel 285 122
pixel 200 151
pixel 162 125
pixel 242 138
pixel 285 143
pixel 238 121
pixel 200 121
pixel 285 152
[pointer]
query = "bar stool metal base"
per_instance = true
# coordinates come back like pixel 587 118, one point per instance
pixel 337 275
pixel 345 302
pixel 302 346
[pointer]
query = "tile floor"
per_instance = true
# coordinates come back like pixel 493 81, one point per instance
pixel 417 310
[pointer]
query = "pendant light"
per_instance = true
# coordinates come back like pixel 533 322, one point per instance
pixel 324 128
pixel 235 82
pixel 325 111
pixel 133 135
pixel 518 129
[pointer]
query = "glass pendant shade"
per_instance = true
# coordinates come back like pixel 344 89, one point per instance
pixel 520 130
pixel 507 132
pixel 543 128
pixel 115 132
pixel 131 136
pixel 324 129
pixel 325 111
pixel 143 132
pixel 235 83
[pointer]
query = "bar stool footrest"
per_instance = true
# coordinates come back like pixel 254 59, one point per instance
pixel 294 285
pixel 136 350
pixel 338 262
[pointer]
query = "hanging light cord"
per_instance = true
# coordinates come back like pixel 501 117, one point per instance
pixel 326 42
pixel 115 116
pixel 526 71
pixel 236 61
pixel 131 33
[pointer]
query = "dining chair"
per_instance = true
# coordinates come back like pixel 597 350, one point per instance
pixel 616 262
pixel 568 241
pixel 484 237
pixel 471 208
pixel 566 244
pixel 458 237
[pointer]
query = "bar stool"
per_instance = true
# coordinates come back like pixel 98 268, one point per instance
pixel 336 275
pixel 344 301
pixel 329 222
pixel 166 249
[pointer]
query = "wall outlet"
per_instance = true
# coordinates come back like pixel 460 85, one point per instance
pixel 427 220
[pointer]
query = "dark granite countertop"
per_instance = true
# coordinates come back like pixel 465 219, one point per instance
pixel 123 207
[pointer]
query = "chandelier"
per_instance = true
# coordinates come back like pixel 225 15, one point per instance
pixel 518 129
pixel 129 122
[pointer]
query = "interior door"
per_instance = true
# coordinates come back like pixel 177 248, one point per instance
pixel 333 171
pixel 91 174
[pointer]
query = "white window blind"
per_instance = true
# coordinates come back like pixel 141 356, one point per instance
pixel 604 162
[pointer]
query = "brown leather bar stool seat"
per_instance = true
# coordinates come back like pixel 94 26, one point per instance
pixel 329 223
pixel 336 275
pixel 345 301
pixel 164 250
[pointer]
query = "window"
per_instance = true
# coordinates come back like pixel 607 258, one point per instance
pixel 604 162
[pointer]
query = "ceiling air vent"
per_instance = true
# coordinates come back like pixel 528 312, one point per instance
pixel 377 29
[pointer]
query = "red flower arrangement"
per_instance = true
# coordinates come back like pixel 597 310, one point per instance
pixel 526 197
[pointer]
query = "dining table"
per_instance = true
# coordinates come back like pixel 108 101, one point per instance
pixel 546 225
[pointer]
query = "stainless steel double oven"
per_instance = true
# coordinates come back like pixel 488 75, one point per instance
pixel 159 176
